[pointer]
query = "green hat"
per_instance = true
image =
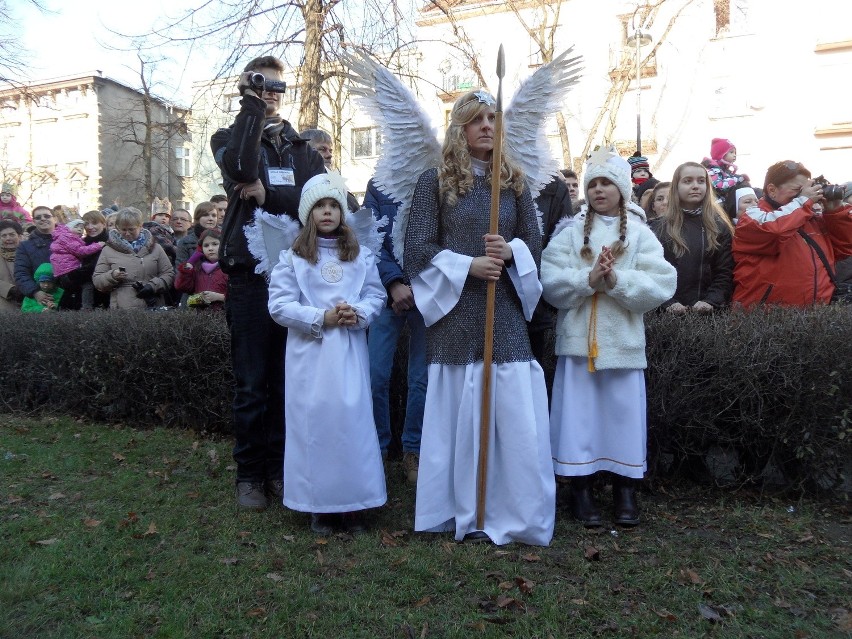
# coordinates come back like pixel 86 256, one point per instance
pixel 8 187
pixel 44 273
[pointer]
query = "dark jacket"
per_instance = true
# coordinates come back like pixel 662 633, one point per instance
pixel 554 202
pixel 246 151
pixel 383 205
pixel 702 275
pixel 31 254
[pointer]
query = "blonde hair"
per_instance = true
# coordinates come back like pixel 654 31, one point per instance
pixel 305 245
pixel 455 177
pixel 713 218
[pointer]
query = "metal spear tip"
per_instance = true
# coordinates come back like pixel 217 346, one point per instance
pixel 501 71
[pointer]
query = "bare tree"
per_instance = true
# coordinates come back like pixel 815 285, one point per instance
pixel 13 54
pixel 145 130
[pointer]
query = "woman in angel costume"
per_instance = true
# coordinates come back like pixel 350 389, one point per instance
pixel 449 258
pixel 326 289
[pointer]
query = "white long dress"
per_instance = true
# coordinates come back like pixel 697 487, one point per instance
pixel 332 460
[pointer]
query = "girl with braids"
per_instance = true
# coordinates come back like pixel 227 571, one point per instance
pixel 696 237
pixel 449 258
pixel 602 270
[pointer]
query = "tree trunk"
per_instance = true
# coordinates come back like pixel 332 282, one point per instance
pixel 567 160
pixel 314 13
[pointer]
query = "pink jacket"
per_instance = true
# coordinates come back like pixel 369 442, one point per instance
pixel 66 250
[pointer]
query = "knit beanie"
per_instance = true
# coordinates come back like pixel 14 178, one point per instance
pixel 740 194
pixel 605 162
pixel 329 184
pixel 719 147
pixel 638 162
pixel 44 273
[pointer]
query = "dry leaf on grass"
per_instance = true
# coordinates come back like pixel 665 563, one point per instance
pixel 530 557
pixel 422 602
pixel 118 457
pixel 45 542
pixel 525 585
pixel 256 612
pixel 274 576
pixel 665 614
pixel 230 561
pixel 592 554
pixel 91 523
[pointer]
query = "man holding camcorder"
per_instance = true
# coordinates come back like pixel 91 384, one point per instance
pixel 264 164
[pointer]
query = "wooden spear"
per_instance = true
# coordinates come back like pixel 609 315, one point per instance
pixel 488 351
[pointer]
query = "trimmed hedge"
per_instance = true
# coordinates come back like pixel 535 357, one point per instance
pixel 731 396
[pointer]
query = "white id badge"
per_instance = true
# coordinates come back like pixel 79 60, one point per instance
pixel 280 177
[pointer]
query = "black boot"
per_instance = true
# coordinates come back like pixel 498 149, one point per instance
pixel 583 505
pixel 626 511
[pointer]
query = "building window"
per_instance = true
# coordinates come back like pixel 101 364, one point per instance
pixel 183 167
pixel 366 142
pixel 182 204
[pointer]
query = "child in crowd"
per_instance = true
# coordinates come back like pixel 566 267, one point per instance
pixel 739 200
pixel 720 165
pixel 641 177
pixel 326 290
pixel 200 275
pixel 44 278
pixel 67 251
pixel 10 209
pixel 696 237
pixel 598 419
pixel 658 202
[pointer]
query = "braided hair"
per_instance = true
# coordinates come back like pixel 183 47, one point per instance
pixel 619 246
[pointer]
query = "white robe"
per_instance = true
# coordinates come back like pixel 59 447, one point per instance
pixel 332 460
pixel 598 420
pixel 520 488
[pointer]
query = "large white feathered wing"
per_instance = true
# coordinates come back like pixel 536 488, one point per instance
pixel 409 141
pixel 267 236
pixel 366 228
pixel 537 98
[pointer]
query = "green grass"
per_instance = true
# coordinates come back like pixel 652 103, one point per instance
pixel 116 532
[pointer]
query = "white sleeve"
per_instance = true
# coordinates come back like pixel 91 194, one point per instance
pixel 438 287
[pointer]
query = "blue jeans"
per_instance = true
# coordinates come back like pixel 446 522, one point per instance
pixel 381 341
pixel 257 358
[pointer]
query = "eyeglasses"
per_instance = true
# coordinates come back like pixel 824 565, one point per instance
pixel 793 166
pixel 42 217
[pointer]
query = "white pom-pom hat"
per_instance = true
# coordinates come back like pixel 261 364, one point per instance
pixel 329 184
pixel 605 162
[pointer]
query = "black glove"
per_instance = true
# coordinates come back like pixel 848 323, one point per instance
pixel 146 292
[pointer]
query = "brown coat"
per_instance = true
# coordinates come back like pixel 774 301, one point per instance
pixel 149 265
pixel 7 283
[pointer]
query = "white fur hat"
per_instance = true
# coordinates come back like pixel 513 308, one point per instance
pixel 605 162
pixel 329 184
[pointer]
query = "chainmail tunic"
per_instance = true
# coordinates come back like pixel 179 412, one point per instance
pixel 458 338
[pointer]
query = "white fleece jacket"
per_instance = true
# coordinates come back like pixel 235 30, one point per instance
pixel 644 281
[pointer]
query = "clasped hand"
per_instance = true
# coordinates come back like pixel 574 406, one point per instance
pixel 489 267
pixel 341 315
pixel 603 270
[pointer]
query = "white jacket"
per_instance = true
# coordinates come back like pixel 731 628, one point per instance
pixel 644 280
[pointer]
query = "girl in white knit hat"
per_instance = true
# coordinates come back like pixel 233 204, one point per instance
pixel 603 270
pixel 326 290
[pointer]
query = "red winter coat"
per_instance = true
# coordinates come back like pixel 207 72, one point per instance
pixel 773 262
pixel 191 278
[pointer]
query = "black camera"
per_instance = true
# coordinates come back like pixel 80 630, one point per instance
pixel 137 286
pixel 830 191
pixel 259 84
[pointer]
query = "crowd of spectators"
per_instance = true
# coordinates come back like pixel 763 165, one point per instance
pixel 114 258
